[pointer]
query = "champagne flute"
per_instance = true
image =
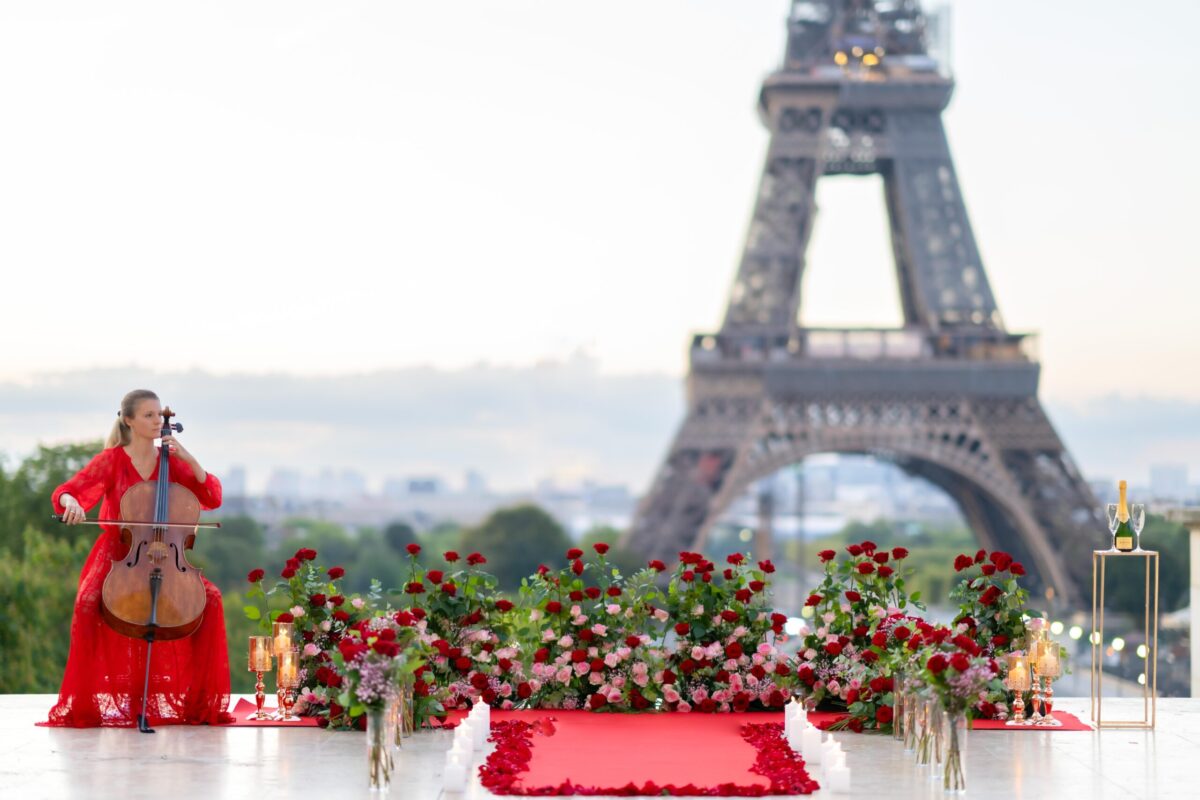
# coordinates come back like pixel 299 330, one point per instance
pixel 1137 519
pixel 1110 511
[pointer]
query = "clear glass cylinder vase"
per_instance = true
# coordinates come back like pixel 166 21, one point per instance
pixel 910 721
pixel 954 768
pixel 379 749
pixel 898 695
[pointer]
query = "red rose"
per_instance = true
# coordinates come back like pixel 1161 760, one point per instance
pixel 778 619
pixel 596 665
pixel 768 567
pixel 285 617
pixel 337 600
pixel 434 575
pixel 504 606
pixel 879 639
pixel 729 616
pixel 596 701
pixel 899 553
pixel 852 697
pixel 688 576
pixel 866 568
pixel 682 628
pixel 813 600
pixel 657 566
pixel 854 550
pixel 883 715
pixel 707 706
pixel 960 661
pixel 577 567
pixel 335 573
pixel 600 547
pixel 728 573
pixel 524 690
pixel 449 588
pixel 415 587
pixel 386 648
pixel 877 684
pixel 833 648
pixel 577 595
pixel 413 548
pixel 853 596
pixel 586 635
pixel 404 619
pixel 855 724
pixel 990 596
pixel 936 663
pixel 579 656
pixel 450 556
pixel 706 577
pixel 613 591
pixel 901 632
pixel 479 681
pixel 742 595
pixel 881 557
pixel 541 655
pixel 690 558
pixel 826 556
pixel 288 573
pixel 316 600
pixel 256 575
pixel 554 607
pixel 306 554
pixel 1001 560
pixel 988 569
pixel 574 553
pixel 885 571
pixel 980 555
pixel 474 559
pixel 341 616
pixel 869 547
pixel 462 663
pixel 735 558
pixel 632 641
pixel 757 586
pixel 687 666
pixel 962 562
pixel 870 656
pixel 1017 568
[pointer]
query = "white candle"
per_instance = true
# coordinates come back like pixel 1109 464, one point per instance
pixel 839 779
pixel 480 728
pixel 455 777
pixel 795 740
pixel 810 745
pixel 464 740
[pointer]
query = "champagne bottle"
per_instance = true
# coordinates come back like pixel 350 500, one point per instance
pixel 1123 535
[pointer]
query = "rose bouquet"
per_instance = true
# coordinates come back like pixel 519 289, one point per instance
pixel 592 634
pixel 724 656
pixel 860 634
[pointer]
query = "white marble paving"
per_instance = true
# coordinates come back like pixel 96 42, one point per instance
pixel 182 763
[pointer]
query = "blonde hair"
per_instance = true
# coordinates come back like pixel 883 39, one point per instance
pixel 120 435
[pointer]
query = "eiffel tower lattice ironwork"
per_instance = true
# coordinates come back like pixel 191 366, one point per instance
pixel 951 396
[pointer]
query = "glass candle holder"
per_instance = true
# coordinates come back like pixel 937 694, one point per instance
pixel 258 662
pixel 1018 680
pixel 284 636
pixel 287 678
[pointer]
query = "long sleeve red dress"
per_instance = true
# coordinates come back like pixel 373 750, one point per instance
pixel 102 685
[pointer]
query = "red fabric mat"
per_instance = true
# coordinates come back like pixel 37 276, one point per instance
pixel 244 708
pixel 580 752
pixel 1070 722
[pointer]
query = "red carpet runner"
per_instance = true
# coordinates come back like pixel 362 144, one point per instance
pixel 579 752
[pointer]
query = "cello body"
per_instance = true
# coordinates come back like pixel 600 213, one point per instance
pixel 153 592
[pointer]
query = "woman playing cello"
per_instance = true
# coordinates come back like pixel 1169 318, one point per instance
pixel 102 685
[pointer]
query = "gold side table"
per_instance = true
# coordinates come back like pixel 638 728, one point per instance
pixel 1150 624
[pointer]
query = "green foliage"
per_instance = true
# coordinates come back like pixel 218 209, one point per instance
pixel 226 555
pixel 398 536
pixel 25 494
pixel 37 593
pixel 1126 577
pixel 516 540
pixel 627 561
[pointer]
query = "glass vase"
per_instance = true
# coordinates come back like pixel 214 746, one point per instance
pixel 379 750
pixel 898 695
pixel 954 769
pixel 925 727
pixel 910 721
pixel 407 721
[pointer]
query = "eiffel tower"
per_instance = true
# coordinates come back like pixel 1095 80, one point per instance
pixel 951 396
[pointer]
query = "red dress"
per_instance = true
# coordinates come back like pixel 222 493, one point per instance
pixel 102 685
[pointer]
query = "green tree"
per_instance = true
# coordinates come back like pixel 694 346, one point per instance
pixel 515 540
pixel 226 555
pixel 25 494
pixel 399 535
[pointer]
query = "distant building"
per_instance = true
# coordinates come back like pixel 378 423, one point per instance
pixel 474 483
pixel 1169 482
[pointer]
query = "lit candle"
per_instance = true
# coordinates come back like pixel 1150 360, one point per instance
pixel 839 779
pixel 1048 663
pixel 455 777
pixel 1019 677
pixel 260 654
pixel 810 745
pixel 285 636
pixel 289 670
pixel 481 729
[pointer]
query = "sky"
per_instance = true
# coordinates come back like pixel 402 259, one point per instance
pixel 323 190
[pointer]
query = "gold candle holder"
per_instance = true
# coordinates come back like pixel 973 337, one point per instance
pixel 258 662
pixel 287 677
pixel 1049 667
pixel 284 636
pixel 1150 624
pixel 1017 680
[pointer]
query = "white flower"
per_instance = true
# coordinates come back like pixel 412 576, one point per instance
pixel 698 611
pixel 326 625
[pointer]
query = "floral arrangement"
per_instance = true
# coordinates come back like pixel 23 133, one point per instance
pixel 724 656
pixel 861 634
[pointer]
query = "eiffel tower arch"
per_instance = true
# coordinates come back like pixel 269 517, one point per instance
pixel 951 396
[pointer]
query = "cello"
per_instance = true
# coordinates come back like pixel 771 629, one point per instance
pixel 152 592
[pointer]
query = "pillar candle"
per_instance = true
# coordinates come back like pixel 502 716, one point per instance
pixel 839 779
pixel 810 745
pixel 455 777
